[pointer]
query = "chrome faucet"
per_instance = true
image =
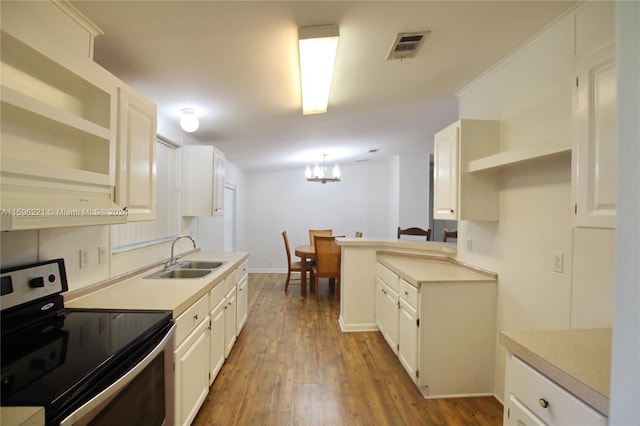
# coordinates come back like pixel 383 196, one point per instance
pixel 173 245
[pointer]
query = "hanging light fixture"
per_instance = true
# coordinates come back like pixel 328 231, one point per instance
pixel 320 173
pixel 318 46
pixel 189 120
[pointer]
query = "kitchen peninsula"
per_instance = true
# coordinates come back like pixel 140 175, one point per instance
pixel 436 314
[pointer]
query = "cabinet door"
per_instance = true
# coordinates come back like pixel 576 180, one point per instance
pixel 596 140
pixel 218 184
pixel 136 159
pixel 243 303
pixel 408 339
pixel 445 173
pixel 192 374
pixel 197 180
pixel 230 321
pixel 380 305
pixel 390 318
pixel 217 338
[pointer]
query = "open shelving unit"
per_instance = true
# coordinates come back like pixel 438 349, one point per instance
pixel 57 123
pixel 518 156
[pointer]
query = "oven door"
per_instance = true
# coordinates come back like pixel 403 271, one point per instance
pixel 144 395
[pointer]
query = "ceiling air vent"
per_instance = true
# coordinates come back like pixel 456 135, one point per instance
pixel 406 45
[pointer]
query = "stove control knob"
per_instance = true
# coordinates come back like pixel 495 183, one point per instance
pixel 36 282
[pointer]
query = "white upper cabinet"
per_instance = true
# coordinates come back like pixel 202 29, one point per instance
pixel 136 177
pixel 458 193
pixel 445 176
pixel 67 140
pixel 202 181
pixel 596 143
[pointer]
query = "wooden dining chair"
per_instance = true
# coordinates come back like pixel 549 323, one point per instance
pixel 327 262
pixel 321 232
pixel 449 234
pixel 415 231
pixel 295 266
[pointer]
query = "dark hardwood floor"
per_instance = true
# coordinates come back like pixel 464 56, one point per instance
pixel 292 365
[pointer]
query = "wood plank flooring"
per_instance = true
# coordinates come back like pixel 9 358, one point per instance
pixel 292 365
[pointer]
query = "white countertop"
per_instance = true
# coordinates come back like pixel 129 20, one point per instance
pixel 577 360
pixel 174 295
pixel 420 271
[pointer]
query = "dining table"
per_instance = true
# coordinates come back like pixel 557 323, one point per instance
pixel 305 253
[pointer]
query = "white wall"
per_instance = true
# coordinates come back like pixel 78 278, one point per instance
pixel 532 95
pixel 625 374
pixel 414 190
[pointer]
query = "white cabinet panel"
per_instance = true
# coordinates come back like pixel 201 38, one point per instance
pixel 192 374
pixel 136 156
pixel 596 143
pixel 202 181
pixel 445 176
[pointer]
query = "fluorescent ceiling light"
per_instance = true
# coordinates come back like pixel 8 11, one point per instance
pixel 318 46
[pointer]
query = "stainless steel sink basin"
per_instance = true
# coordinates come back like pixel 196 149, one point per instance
pixel 195 264
pixel 181 273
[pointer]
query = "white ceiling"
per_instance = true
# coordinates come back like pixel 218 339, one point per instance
pixel 236 63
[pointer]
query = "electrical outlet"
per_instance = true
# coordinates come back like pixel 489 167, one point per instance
pixel 469 244
pixel 84 258
pixel 558 261
pixel 102 255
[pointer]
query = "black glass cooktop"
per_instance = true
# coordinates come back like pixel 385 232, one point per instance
pixel 62 358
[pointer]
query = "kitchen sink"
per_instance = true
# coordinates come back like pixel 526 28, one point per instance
pixel 195 264
pixel 188 269
pixel 181 273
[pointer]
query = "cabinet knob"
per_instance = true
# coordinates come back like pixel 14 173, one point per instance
pixel 451 210
pixel 543 403
pixel 195 317
pixel 406 293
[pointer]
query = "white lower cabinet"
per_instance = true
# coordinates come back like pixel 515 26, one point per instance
pixel 231 309
pixel 442 332
pixel 243 303
pixel 205 335
pixel 387 305
pixel 408 338
pixel 191 358
pixel 532 398
pixel 217 317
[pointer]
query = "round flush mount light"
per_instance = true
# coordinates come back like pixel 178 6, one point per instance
pixel 189 120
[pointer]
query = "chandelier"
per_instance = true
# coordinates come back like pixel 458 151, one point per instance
pixel 320 173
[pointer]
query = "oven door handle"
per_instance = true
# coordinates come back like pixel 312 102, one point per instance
pixel 114 389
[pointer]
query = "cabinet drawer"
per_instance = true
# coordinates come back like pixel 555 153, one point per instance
pixel 242 271
pixel 409 293
pixel 191 318
pixel 533 390
pixel 386 275
pixel 216 295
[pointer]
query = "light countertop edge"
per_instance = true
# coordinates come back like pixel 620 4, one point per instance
pixel 578 360
pixel 174 295
pixel 433 246
pixel 422 271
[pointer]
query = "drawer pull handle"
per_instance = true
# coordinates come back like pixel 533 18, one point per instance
pixel 543 403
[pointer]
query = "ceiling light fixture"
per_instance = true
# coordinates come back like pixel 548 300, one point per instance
pixel 189 120
pixel 318 46
pixel 320 173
